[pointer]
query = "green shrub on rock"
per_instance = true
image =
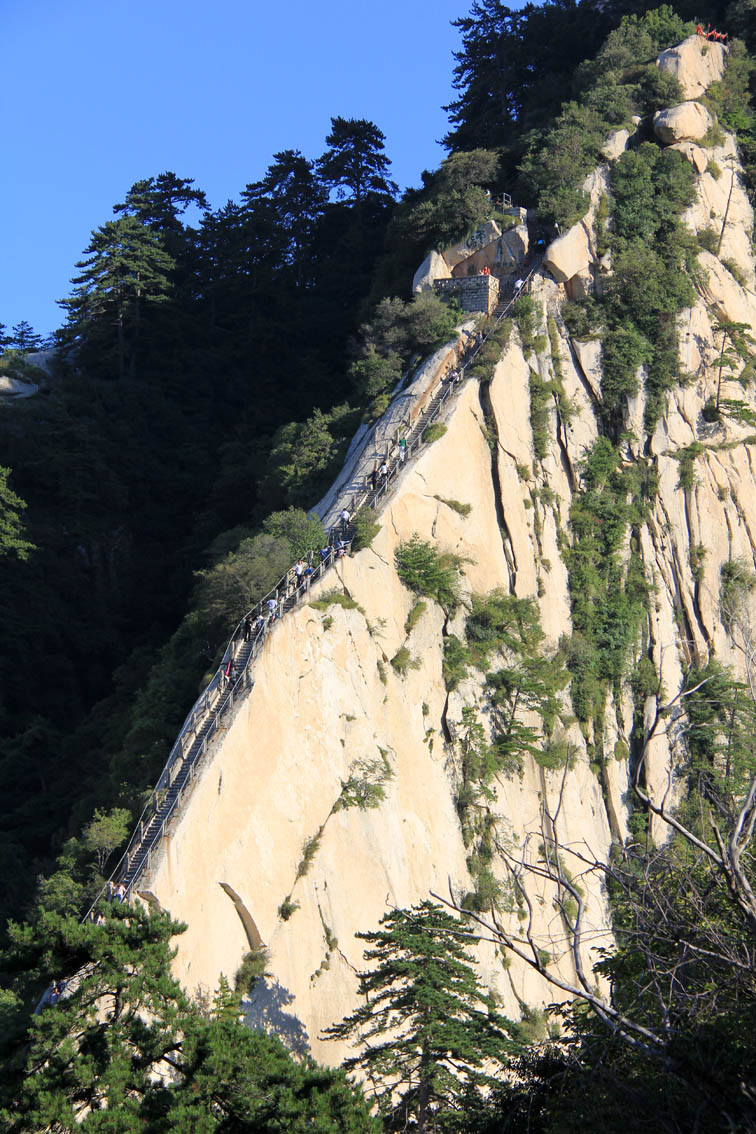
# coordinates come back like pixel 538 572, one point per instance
pixel 403 661
pixel 430 572
pixel 434 432
pixel 366 528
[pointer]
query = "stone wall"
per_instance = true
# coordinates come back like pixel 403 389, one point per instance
pixel 473 293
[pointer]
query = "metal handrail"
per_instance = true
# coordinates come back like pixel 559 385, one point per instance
pixel 210 706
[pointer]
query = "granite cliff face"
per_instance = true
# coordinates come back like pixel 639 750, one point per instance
pixel 319 706
pixel 327 704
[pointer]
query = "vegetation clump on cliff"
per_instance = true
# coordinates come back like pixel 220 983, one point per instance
pixel 609 593
pixel 653 264
pixel 621 81
pixel 428 571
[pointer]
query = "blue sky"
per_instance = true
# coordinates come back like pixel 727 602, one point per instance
pixel 96 95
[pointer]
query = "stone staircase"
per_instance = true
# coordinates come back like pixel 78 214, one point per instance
pixel 204 719
pixel 152 833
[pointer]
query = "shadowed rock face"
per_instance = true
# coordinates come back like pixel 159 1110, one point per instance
pixel 326 698
pixel 268 1009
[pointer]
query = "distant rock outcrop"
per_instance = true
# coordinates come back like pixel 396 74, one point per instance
pixel 434 267
pixel 615 144
pixel 692 153
pixel 16 388
pixel 488 247
pixel 695 63
pixel 463 249
pixel 687 122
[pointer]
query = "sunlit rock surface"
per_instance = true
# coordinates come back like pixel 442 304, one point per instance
pixel 687 122
pixel 326 695
pixel 695 63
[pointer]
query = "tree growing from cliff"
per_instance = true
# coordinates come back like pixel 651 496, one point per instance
pixel 427 1027
pixel 427 571
pixel 736 355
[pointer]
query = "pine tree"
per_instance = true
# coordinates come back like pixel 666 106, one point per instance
pixel 298 197
pixel 126 268
pixel 239 1080
pixel 226 1001
pixel 122 1049
pixel 514 66
pixel 159 201
pixel 24 337
pixel 106 1044
pixel 427 1026
pixel 11 526
pixel 220 263
pixel 160 204
pixel 355 164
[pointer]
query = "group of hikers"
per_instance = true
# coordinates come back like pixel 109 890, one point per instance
pixel 711 33
pixel 295 583
pixel 298 578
